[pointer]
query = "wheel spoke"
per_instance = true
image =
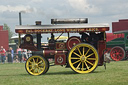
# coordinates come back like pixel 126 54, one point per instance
pixel 78 65
pixel 37 60
pixel 31 69
pixel 113 53
pixel 33 60
pixel 76 54
pixel 79 51
pixel 87 51
pixel 119 50
pixel 82 66
pixel 90 55
pixel 75 58
pixel 91 58
pixel 37 70
pixel 76 62
pixel 41 65
pixel 30 62
pixel 40 62
pixel 41 69
pixel 116 50
pixel 120 56
pixel 83 50
pixel 86 65
pixel 90 63
pixel 34 70
pixel 120 53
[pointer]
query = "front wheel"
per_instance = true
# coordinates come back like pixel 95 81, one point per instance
pixel 83 58
pixel 36 65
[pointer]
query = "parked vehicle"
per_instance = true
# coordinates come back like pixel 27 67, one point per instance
pixel 117 42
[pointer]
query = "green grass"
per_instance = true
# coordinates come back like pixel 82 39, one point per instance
pixel 15 74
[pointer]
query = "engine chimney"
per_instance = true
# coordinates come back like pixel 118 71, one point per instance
pixel 38 37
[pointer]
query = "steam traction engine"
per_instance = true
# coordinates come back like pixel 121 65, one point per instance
pixel 83 54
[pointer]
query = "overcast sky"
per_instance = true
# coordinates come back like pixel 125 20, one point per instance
pixel 97 11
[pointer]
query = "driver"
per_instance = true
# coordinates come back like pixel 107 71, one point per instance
pixel 84 37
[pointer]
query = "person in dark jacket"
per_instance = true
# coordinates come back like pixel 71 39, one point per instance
pixel 10 55
pixel 84 37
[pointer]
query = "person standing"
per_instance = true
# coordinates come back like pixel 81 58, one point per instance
pixel 24 53
pixel 3 53
pixel 9 55
pixel 29 53
pixel 12 53
pixel 19 53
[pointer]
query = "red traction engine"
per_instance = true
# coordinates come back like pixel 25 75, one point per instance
pixel 82 53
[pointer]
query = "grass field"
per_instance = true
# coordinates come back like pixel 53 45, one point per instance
pixel 15 74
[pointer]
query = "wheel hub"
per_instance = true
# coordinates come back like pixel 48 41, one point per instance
pixel 117 53
pixel 36 65
pixel 83 59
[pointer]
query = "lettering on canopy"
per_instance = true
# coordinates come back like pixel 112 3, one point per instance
pixel 60 30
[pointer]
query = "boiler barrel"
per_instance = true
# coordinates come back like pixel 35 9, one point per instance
pixel 49 53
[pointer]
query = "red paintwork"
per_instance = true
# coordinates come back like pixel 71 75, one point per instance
pixel 28 44
pixel 49 53
pixel 60 59
pixel 4 38
pixel 111 36
pixel 101 48
pixel 123 20
pixel 29 47
pixel 120 26
pixel 1 28
pixel 72 41
pixel 60 46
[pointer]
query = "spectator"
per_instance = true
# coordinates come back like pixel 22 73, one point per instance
pixel 29 53
pixel 19 53
pixel 24 52
pixel 2 52
pixel 10 53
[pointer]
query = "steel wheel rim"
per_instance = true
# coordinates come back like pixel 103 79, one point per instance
pixel 86 59
pixel 117 53
pixel 35 65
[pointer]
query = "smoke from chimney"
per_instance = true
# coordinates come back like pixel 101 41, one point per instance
pixel 21 8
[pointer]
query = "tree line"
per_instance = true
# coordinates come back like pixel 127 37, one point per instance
pixel 10 33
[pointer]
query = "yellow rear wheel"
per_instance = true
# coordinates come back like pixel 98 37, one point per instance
pixel 83 58
pixel 36 65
